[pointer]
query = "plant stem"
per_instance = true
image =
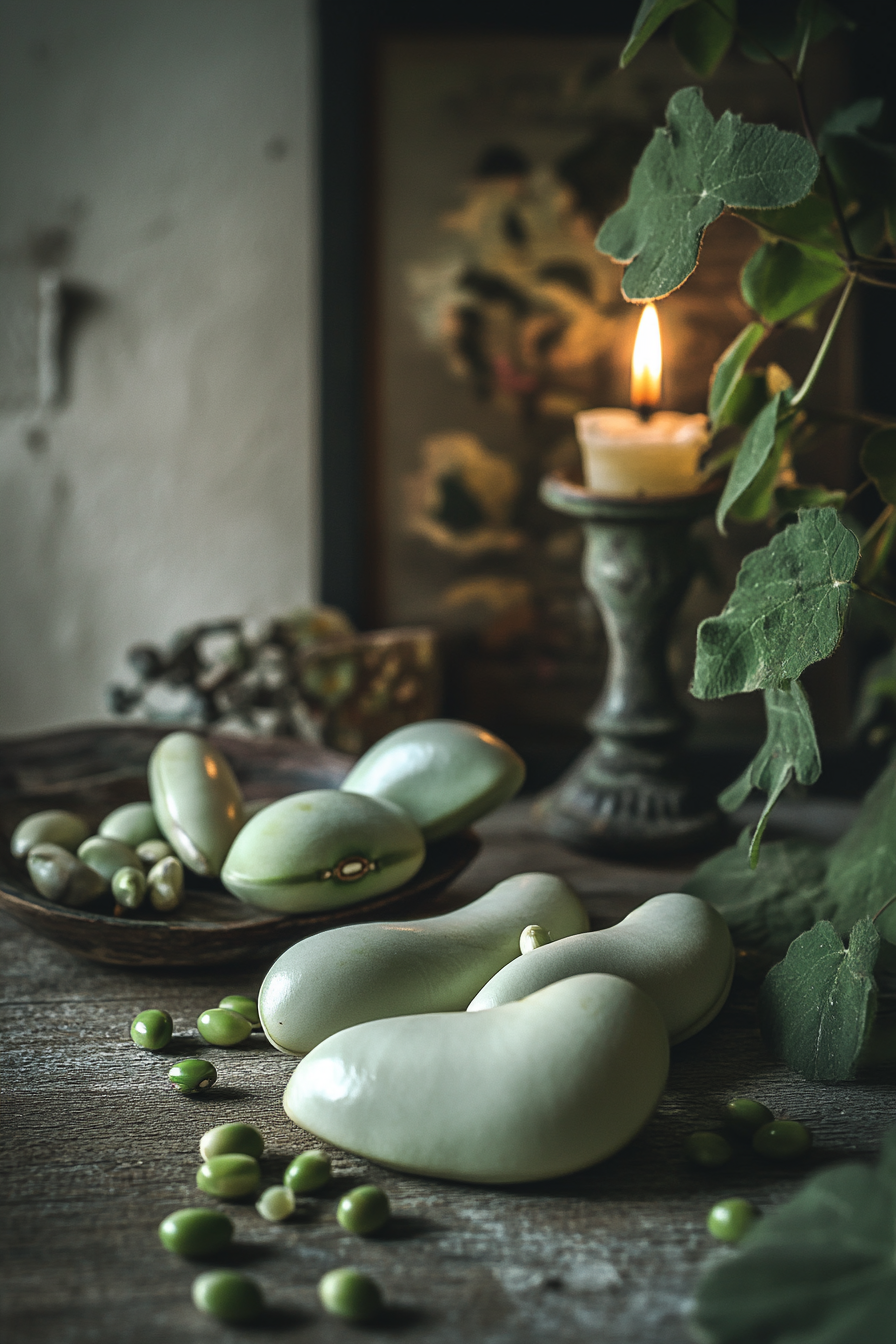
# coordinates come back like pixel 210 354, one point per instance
pixel 873 280
pixel 854 494
pixel 852 418
pixel 880 522
pixel 857 587
pixel 875 918
pixel 825 344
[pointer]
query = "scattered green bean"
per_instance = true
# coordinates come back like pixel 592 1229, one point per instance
pixel 152 1029
pixel 151 851
pixel 228 1295
pixel 363 1210
pixel 350 1294
pixel 165 881
pixel 195 1231
pixel 308 1171
pixel 193 1075
pixel 242 1004
pixel 222 1026
pixel 232 1138
pixel 730 1219
pixel 782 1139
pixel 277 1202
pixel 744 1116
pixel 532 937
pixel 129 887
pixel 229 1176
pixel 708 1149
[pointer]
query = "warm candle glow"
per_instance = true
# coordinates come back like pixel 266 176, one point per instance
pixel 647 362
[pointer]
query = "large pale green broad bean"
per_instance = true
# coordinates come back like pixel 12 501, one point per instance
pixel 531 1090
pixel 366 971
pixel 444 773
pixel 676 948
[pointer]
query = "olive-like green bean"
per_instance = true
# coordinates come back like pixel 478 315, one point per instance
pixel 50 827
pixel 193 1075
pixel 195 1231
pixel 782 1139
pixel 533 936
pixel 350 1294
pixel 152 1029
pixel 276 1203
pixel 151 851
pixel 222 1026
pixel 707 1149
pixel 165 881
pixel 731 1219
pixel 132 824
pixel 744 1116
pixel 242 1004
pixel 229 1176
pixel 129 887
pixel 308 1171
pixel 232 1138
pixel 228 1295
pixel 363 1210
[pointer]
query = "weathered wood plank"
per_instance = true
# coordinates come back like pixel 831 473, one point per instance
pixel 98 1149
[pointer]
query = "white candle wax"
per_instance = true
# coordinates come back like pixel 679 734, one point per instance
pixel 629 458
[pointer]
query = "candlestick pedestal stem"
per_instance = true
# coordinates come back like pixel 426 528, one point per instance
pixel 629 793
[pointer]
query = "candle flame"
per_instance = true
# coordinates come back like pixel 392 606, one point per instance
pixel 647 362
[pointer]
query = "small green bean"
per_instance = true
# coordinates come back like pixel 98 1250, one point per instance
pixel 744 1116
pixel 350 1294
pixel 363 1210
pixel 308 1171
pixel 242 1004
pixel 232 1138
pixel 229 1176
pixel 731 1219
pixel 782 1139
pixel 277 1202
pixel 193 1075
pixel 195 1231
pixel 152 1029
pixel 222 1026
pixel 707 1149
pixel 228 1295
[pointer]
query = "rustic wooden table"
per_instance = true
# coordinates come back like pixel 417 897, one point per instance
pixel 98 1148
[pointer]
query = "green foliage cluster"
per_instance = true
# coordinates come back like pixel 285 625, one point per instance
pixel 820 1269
pixel 823 204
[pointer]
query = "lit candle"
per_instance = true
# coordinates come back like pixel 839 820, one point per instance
pixel 643 453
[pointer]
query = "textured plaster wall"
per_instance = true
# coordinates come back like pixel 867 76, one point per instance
pixel 170 146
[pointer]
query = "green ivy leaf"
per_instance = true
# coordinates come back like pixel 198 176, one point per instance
pixel 728 369
pixel 878 460
pixel 817 1005
pixel 781 279
pixel 767 907
pixel 703 32
pixel 754 452
pixel 691 170
pixel 865 168
pixel 779 29
pixel 651 15
pixel 790 751
pixel 786 611
pixel 862 866
pixel 811 222
pixel 820 1269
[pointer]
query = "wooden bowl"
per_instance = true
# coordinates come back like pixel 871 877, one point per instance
pixel 92 770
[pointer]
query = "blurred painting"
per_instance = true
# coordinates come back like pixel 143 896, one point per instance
pixel 497 320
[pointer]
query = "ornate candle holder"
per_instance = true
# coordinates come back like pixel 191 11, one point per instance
pixel 629 793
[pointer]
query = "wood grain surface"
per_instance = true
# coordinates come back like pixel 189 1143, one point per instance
pixel 98 1149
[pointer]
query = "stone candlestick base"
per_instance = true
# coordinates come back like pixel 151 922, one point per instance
pixel 628 794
